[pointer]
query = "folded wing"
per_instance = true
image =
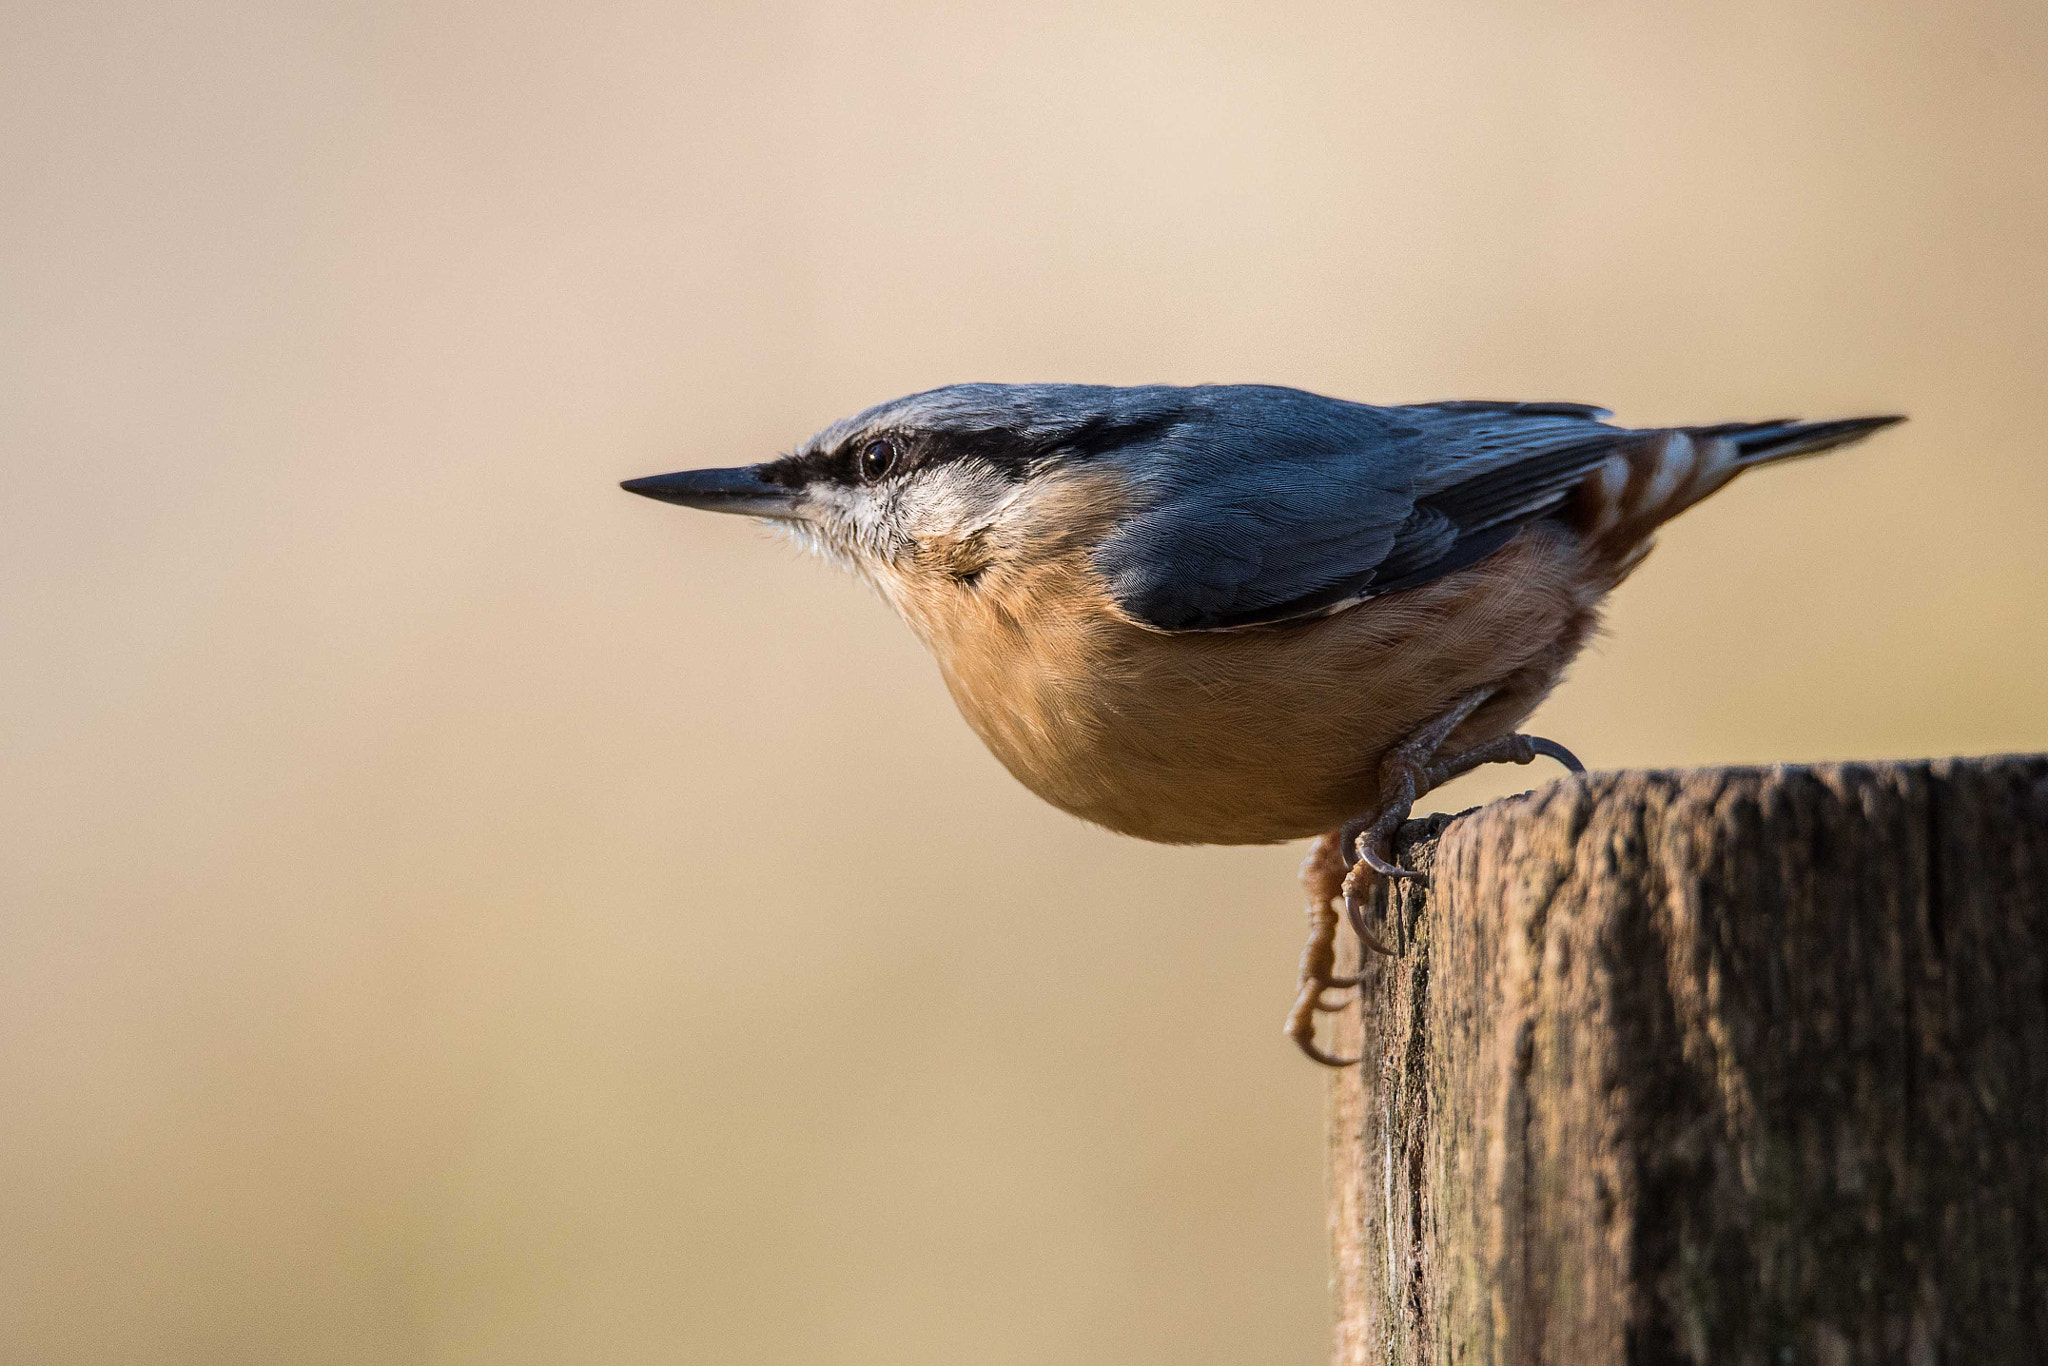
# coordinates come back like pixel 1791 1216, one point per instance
pixel 1311 511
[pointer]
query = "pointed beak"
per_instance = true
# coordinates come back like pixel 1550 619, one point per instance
pixel 743 491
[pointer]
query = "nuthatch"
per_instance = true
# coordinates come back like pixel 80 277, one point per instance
pixel 1239 614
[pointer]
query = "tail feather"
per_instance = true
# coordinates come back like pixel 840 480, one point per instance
pixel 1648 481
pixel 1759 443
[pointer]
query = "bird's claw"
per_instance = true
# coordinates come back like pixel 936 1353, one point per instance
pixel 1316 1054
pixel 1553 750
pixel 1364 849
pixel 1354 909
pixel 1386 867
pixel 1323 875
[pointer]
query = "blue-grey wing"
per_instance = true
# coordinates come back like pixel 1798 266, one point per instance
pixel 1282 512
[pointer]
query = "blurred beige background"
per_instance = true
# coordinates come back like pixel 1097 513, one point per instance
pixel 458 913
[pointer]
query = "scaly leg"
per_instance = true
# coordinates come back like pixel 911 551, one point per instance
pixel 1411 769
pixel 1321 874
pixel 1403 779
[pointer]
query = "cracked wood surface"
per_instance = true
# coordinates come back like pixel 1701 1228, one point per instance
pixel 1730 1066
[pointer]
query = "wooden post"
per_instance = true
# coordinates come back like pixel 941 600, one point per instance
pixel 1733 1066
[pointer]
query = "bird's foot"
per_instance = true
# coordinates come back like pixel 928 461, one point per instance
pixel 1344 866
pixel 1369 840
pixel 1321 875
pixel 1406 773
pixel 1410 771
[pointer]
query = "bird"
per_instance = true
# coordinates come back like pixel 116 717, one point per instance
pixel 1246 613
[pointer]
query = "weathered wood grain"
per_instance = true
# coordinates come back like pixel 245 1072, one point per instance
pixel 1735 1066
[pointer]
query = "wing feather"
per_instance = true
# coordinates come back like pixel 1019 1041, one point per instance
pixel 1303 505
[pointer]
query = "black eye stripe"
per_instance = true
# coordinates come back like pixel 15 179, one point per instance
pixel 1015 454
pixel 852 464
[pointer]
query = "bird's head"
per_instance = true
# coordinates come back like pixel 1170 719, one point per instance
pixel 935 487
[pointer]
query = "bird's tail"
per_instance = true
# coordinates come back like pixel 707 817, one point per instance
pixel 1648 481
pixel 1760 443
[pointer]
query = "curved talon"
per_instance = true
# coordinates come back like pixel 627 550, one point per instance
pixel 1316 1054
pixel 1354 911
pixel 1366 937
pixel 1388 868
pixel 1554 750
pixel 1301 1026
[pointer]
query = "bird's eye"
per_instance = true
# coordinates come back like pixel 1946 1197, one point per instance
pixel 877 458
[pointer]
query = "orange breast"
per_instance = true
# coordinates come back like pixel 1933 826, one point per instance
pixel 1250 736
